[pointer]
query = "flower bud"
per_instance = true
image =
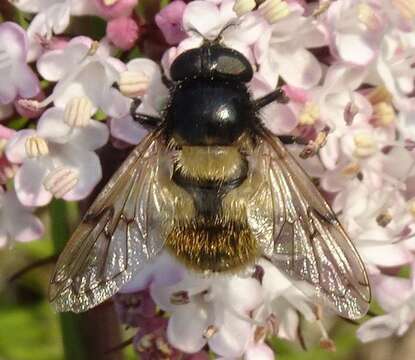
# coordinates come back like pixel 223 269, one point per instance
pixel 78 112
pixel 123 32
pixel 133 84
pixel 36 146
pixel 169 21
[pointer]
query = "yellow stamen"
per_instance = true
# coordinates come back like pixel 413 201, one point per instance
pixel 78 112
pixel 274 10
pixel 365 145
pixel 411 207
pixel 109 2
pixel 310 114
pixel 351 169
pixel 384 114
pixel 379 94
pixel 93 48
pixel 36 146
pixel 406 8
pixel 210 331
pixel 242 7
pixel 367 16
pixel 133 84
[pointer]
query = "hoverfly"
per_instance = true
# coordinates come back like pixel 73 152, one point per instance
pixel 212 186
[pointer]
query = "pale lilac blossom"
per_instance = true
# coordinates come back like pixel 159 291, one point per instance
pixel 56 159
pixel 348 70
pixel 397 297
pixel 27 228
pixel 282 49
pixel 52 17
pixel 208 19
pixel 17 79
pixel 169 20
pixel 142 79
pixel 84 68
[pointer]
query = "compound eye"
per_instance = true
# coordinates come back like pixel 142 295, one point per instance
pixel 187 65
pixel 231 64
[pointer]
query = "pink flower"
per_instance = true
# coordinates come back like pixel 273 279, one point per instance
pixel 282 49
pixel 397 297
pixel 27 228
pixel 169 20
pixel 17 79
pixel 355 29
pixel 111 9
pixel 123 32
pixel 56 159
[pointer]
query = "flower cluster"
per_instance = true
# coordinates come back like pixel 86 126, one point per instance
pixel 347 67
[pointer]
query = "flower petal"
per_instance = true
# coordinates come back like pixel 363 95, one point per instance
pixel 203 17
pixel 15 149
pixel 89 167
pixel 233 336
pixel 126 129
pixel 29 183
pixel 27 82
pixel 186 327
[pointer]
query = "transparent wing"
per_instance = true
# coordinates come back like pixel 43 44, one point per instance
pixel 302 237
pixel 122 230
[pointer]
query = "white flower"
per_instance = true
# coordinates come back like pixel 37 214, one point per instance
pixel 209 19
pixel 212 310
pixel 52 17
pixel 394 68
pixel 16 221
pixel 355 30
pixel 56 159
pixel 144 75
pixel 281 51
pixel 397 297
pixel 84 69
pixel 17 79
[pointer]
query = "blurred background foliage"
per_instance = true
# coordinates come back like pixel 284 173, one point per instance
pixel 31 330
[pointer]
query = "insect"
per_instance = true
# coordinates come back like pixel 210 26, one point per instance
pixel 212 186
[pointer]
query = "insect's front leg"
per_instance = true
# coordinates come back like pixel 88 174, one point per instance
pixel 147 121
pixel 291 139
pixel 276 95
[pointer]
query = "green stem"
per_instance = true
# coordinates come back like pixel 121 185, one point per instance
pixel 73 344
pixel 89 335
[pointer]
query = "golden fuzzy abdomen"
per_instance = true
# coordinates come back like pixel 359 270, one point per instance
pixel 215 236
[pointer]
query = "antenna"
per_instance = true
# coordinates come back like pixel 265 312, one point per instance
pixel 232 23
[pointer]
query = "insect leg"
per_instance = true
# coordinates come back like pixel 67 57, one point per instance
pixel 289 139
pixel 276 95
pixel 148 121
